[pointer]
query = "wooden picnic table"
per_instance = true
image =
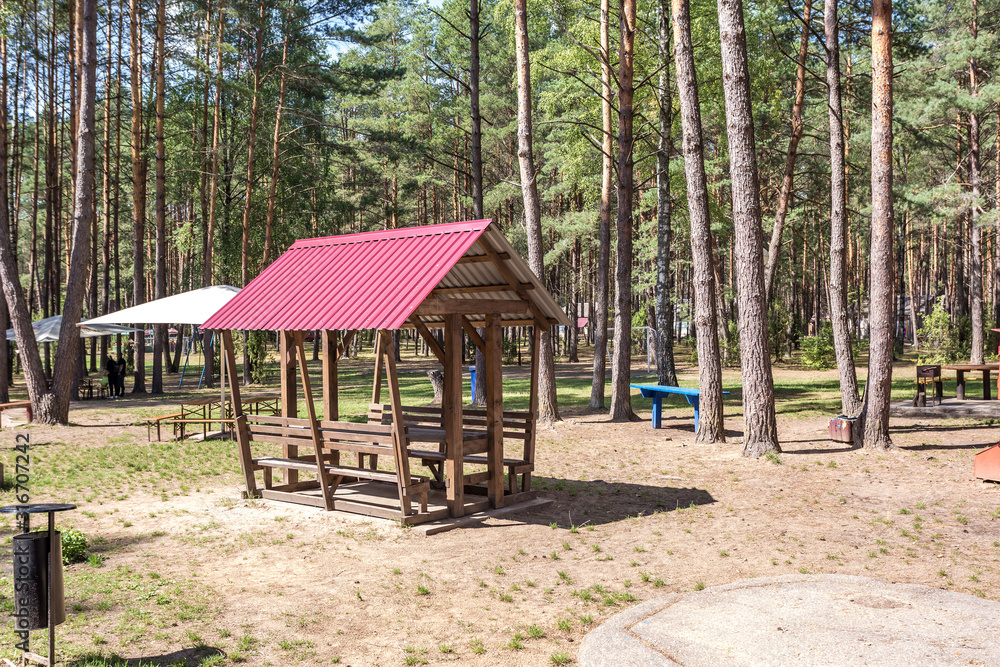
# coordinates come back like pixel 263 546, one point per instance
pixel 962 369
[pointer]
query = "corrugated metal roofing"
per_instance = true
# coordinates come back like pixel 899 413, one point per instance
pixel 374 280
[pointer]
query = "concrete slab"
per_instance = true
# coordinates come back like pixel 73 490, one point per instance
pixel 828 620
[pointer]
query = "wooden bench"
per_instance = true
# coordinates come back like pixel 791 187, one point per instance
pixel 157 421
pixel 516 426
pixel 335 438
pixel 658 391
pixel 15 405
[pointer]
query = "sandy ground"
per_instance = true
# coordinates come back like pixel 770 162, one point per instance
pixel 636 513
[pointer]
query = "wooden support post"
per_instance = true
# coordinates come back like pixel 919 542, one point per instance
pixel 325 485
pixel 289 394
pixel 425 333
pixel 529 442
pixel 331 405
pixel 473 334
pixel 399 440
pixel 239 419
pixel 377 380
pixel 451 408
pixel 494 410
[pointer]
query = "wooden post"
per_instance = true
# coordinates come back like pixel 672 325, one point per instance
pixel 377 380
pixel 240 420
pixel 451 408
pixel 289 395
pixel 325 486
pixel 494 409
pixel 399 440
pixel 529 442
pixel 331 404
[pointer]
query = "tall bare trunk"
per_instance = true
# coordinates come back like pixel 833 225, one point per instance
pixel 666 373
pixel 875 427
pixel 787 178
pixel 248 202
pixel 621 362
pixel 761 430
pixel 600 313
pixel 548 408
pixel 975 249
pixel 138 190
pixel 160 330
pixel 214 188
pixel 272 193
pixel 711 428
pixel 56 410
pixel 849 400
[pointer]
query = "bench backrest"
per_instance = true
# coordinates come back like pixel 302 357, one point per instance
pixel 426 416
pixel 336 435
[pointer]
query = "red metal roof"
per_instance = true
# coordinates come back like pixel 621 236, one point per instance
pixel 372 280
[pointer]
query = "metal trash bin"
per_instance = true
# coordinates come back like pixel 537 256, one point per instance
pixel 31 605
pixel 842 428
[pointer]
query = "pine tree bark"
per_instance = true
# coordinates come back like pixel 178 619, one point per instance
pixel 213 194
pixel 138 190
pixel 975 177
pixel 548 408
pixel 248 202
pixel 601 289
pixel 874 429
pixel 160 279
pixel 665 370
pixel 760 431
pixel 788 177
pixel 711 428
pixel 272 192
pixel 55 410
pixel 621 361
pixel 849 399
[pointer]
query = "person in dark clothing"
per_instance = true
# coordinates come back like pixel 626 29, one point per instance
pixel 121 378
pixel 111 369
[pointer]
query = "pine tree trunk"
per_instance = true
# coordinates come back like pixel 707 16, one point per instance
pixel 665 371
pixel 849 399
pixel 213 194
pixel 272 193
pixel 760 431
pixel 874 430
pixel 621 361
pixel 138 191
pixel 54 408
pixel 548 409
pixel 785 193
pixel 711 427
pixel 975 249
pixel 600 313
pixel 160 330
pixel 248 202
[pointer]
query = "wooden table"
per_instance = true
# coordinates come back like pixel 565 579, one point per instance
pixel 962 369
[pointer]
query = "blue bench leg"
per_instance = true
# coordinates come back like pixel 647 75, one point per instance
pixel 694 402
pixel 657 411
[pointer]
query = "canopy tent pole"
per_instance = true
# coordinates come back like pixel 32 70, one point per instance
pixel 206 352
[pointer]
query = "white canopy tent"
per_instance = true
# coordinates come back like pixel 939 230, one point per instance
pixel 192 307
pixel 47 330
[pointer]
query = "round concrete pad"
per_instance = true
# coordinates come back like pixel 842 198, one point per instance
pixel 801 620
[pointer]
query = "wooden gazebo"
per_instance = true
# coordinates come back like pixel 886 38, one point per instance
pixel 456 277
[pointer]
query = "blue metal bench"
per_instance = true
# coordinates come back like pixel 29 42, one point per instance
pixel 657 392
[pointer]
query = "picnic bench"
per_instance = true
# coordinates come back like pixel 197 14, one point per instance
pixel 425 425
pixel 15 405
pixel 659 391
pixel 335 437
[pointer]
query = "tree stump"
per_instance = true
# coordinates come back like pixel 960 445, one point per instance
pixel 437 381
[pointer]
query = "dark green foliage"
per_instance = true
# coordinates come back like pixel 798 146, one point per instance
pixel 74 546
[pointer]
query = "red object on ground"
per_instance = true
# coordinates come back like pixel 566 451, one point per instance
pixel 842 428
pixel 987 464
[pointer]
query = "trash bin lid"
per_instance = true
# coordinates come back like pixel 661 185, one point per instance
pixel 36 508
